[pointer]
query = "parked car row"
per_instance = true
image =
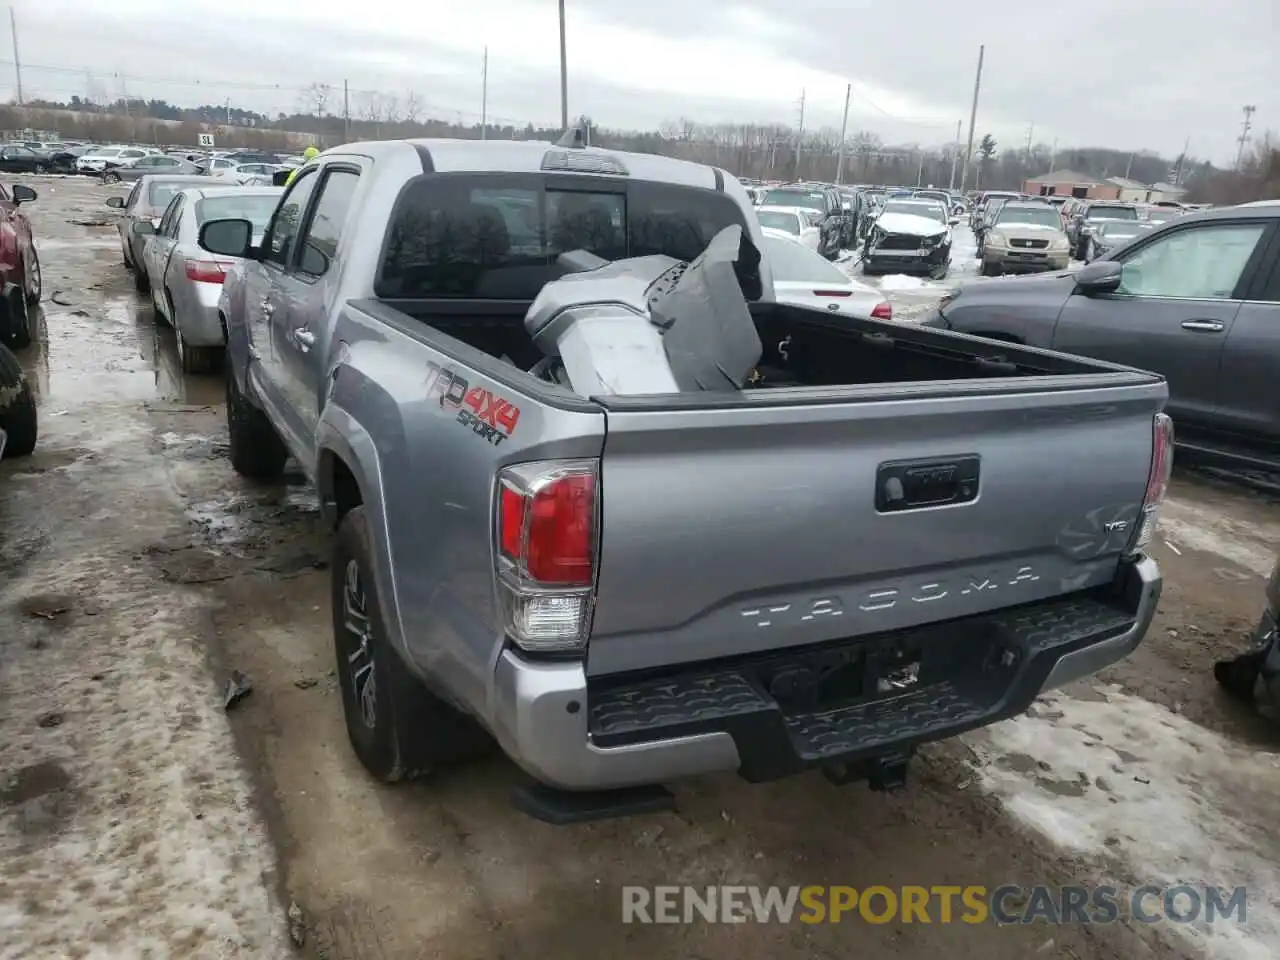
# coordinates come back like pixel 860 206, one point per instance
pixel 21 284
pixel 1196 299
pixel 159 228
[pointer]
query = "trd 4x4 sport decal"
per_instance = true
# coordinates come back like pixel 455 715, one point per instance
pixel 489 416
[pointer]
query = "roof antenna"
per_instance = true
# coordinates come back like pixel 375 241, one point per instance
pixel 578 136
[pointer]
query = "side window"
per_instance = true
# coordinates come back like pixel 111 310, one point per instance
pixel 288 219
pixel 1200 263
pixel 170 215
pixel 324 230
pixel 132 199
pixel 176 209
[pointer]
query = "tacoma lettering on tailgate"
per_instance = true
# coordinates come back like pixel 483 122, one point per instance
pixel 885 598
pixel 488 415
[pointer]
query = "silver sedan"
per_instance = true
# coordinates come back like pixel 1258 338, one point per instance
pixel 186 281
pixel 145 166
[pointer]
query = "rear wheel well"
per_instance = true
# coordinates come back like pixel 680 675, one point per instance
pixel 343 491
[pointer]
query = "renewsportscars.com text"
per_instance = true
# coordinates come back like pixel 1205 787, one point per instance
pixel 935 904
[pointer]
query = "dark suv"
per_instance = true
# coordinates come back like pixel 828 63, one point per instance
pixel 1086 216
pixel 835 225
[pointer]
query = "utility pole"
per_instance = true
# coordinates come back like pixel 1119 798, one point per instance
pixel 17 61
pixel 955 155
pixel 973 117
pixel 484 97
pixel 564 75
pixel 1053 156
pixel 346 112
pixel 800 135
pixel 228 106
pixel 844 129
pixel 1182 159
pixel 1031 129
pixel 1249 111
pixel 920 171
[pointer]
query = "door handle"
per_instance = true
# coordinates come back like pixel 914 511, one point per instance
pixel 1204 326
pixel 268 308
pixel 304 338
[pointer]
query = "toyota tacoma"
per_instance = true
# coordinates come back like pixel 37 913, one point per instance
pixel 600 498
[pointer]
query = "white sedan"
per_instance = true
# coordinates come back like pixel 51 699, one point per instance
pixel 796 222
pixel 804 277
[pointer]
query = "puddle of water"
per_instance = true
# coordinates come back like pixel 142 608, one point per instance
pixel 240 519
pixel 111 352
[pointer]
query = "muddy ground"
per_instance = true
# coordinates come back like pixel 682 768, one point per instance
pixel 139 818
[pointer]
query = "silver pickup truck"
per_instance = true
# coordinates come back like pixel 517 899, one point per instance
pixel 600 498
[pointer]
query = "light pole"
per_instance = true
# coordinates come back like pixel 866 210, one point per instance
pixel 564 76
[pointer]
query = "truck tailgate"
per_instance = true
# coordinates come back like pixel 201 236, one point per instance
pixel 749 528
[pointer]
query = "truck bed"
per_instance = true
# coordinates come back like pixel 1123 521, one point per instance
pixel 743 521
pixel 802 348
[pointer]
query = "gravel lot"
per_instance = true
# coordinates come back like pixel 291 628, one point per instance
pixel 138 818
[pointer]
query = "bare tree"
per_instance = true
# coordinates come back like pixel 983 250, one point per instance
pixel 371 109
pixel 391 108
pixel 412 107
pixel 317 95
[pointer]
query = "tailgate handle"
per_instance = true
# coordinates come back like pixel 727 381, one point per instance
pixel 914 484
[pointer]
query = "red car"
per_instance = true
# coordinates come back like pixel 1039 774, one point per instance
pixel 19 268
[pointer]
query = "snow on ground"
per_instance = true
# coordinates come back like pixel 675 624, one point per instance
pixel 902 281
pixel 127 827
pixel 1143 790
pixel 1250 544
pixel 1113 776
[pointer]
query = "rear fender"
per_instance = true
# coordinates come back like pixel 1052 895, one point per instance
pixel 340 437
pixel 231 313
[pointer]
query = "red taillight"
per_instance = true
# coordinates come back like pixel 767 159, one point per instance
pixel 547 528
pixel 206 271
pixel 1161 460
pixel 545 532
pixel 1157 480
pixel 511 516
pixel 882 311
pixel 833 293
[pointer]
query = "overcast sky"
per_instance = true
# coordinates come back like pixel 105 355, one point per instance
pixel 1123 73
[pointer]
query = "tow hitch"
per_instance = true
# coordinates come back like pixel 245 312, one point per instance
pixel 885 773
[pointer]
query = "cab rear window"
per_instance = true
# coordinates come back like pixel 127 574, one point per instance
pixel 498 236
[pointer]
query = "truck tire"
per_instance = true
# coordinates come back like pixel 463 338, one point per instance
pixel 34 279
pixel 256 449
pixel 15 321
pixel 398 729
pixel 17 407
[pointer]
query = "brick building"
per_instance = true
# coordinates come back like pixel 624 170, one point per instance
pixel 1071 184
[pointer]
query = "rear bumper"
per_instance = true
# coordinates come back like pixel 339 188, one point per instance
pixel 200 324
pixel 613 732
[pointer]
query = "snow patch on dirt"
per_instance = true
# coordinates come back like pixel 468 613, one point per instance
pixel 1216 532
pixel 126 822
pixel 1118 778
pixel 902 281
